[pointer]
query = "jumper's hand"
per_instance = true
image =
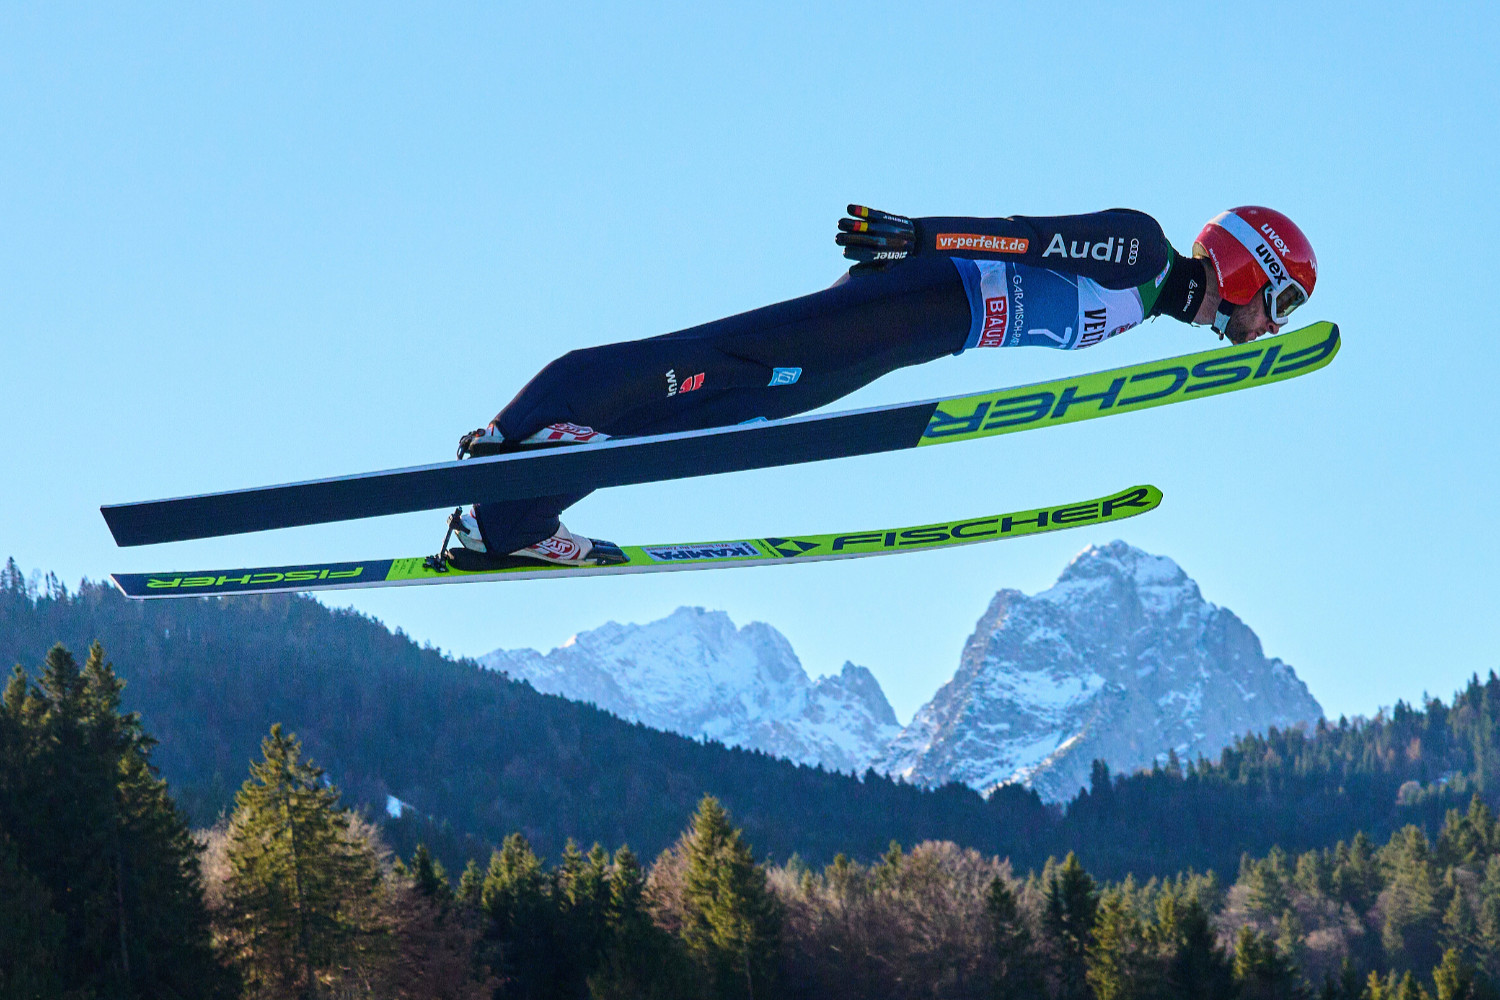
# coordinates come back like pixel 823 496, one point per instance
pixel 874 239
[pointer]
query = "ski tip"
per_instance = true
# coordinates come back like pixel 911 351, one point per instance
pixel 1131 501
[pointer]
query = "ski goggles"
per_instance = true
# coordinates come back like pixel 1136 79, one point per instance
pixel 1280 305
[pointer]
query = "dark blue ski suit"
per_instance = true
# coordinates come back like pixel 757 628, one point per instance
pixel 1063 282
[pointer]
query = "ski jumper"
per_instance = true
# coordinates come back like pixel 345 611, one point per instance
pixel 1064 282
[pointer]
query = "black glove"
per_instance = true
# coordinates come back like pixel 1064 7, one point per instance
pixel 875 239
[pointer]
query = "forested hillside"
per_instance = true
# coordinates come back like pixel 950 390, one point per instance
pixel 484 756
pixel 480 753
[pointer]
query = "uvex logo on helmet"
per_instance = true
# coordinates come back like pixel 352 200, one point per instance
pixel 1270 233
pixel 1271 264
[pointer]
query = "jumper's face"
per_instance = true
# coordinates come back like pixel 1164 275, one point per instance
pixel 1250 321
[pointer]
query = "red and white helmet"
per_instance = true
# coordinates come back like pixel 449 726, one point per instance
pixel 1258 250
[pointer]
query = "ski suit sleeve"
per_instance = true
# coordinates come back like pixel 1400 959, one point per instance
pixel 1119 248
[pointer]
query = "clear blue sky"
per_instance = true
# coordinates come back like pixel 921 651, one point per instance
pixel 245 245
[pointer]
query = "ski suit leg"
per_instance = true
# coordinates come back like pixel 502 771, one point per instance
pixel 771 362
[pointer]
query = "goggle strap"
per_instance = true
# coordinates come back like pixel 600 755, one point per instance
pixel 1221 317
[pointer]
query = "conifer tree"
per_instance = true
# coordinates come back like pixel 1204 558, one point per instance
pixel 1487 920
pixel 1395 986
pixel 1409 932
pixel 522 921
pixel 1289 937
pixel 1460 928
pixel 1347 985
pixel 1356 877
pixel 1196 968
pixel 1071 902
pixel 1261 972
pixel 887 873
pixel 1017 972
pixel 1267 881
pixel 1468 838
pixel 640 960
pixel 471 884
pixel 1121 966
pixel 32 942
pixel 580 894
pixel 94 843
pixel 303 891
pixel 1456 979
pixel 437 953
pixel 428 876
pixel 1314 875
pixel 732 922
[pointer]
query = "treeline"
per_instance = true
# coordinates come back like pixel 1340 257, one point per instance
pixel 1298 788
pixel 478 756
pixel 293 895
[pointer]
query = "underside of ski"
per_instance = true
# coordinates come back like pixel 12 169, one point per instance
pixel 625 461
pixel 773 551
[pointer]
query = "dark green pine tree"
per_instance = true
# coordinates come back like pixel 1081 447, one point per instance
pixel 1487 920
pixel 95 838
pixel 580 895
pixel 1121 965
pixel 471 885
pixel 1356 876
pixel 1267 882
pixel 1395 986
pixel 1412 927
pixel 731 921
pixel 1195 967
pixel 1456 979
pixel 640 960
pixel 1468 838
pixel 428 876
pixel 520 936
pixel 1460 928
pixel 32 941
pixel 1261 972
pixel 1017 969
pixel 303 891
pixel 1347 985
pixel 1071 903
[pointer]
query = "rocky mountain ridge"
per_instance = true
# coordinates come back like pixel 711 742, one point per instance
pixel 1121 660
pixel 696 674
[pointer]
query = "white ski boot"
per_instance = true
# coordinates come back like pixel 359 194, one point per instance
pixel 563 548
pixel 489 441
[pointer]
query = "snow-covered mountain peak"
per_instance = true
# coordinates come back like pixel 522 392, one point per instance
pixel 1114 571
pixel 1122 660
pixel 693 672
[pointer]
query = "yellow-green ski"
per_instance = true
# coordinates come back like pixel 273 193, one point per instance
pixel 770 551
